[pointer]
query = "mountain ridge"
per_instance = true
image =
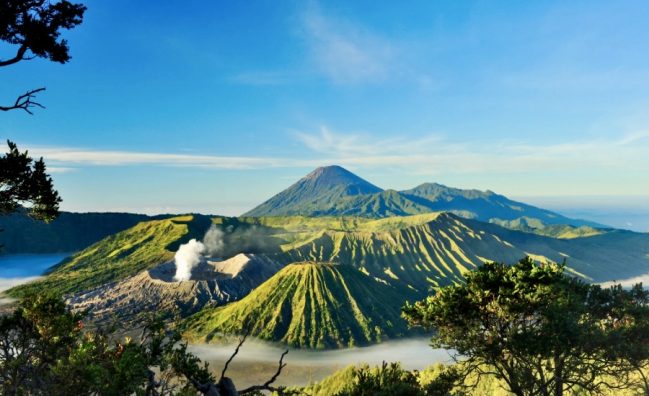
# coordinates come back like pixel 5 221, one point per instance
pixel 334 191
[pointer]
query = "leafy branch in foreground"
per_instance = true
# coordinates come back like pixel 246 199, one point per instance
pixel 538 330
pixel 45 350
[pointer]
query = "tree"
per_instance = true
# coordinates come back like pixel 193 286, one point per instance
pixel 388 379
pixel 24 183
pixel 34 27
pixel 538 330
pixel 46 350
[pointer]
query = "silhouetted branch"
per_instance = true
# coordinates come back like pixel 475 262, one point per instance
pixel 236 351
pixel 25 101
pixel 20 55
pixel 266 385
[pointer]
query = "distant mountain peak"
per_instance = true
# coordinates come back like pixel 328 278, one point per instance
pixel 321 187
pixel 334 175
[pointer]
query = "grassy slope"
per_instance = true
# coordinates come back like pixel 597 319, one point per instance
pixel 70 232
pixel 420 251
pixel 120 255
pixel 310 305
pixel 327 306
pixel 436 249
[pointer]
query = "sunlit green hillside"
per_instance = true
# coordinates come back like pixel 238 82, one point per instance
pixel 310 305
pixel 431 250
pixel 418 252
pixel 120 255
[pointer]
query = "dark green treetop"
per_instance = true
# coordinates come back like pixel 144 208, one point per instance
pixel 24 182
pixel 538 330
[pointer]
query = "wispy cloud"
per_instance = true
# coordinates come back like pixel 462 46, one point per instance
pixel 344 51
pixel 361 144
pixel 64 159
pixel 60 169
pixel 435 154
pixel 426 155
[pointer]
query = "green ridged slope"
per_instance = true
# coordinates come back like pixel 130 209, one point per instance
pixel 120 255
pixel 418 252
pixel 310 305
pixel 429 251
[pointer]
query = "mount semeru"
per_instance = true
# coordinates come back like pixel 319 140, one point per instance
pixel 334 191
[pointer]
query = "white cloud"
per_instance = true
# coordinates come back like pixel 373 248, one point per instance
pixel 60 169
pixel 344 51
pixel 350 144
pixel 77 156
pixel 629 282
pixel 606 163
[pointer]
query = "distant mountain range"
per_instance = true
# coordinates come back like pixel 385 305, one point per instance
pixel 404 258
pixel 334 191
pixel 326 263
pixel 327 191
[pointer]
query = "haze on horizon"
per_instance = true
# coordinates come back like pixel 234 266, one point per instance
pixel 214 108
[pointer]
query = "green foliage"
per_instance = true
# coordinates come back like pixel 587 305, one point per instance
pixel 43 350
pixel 441 380
pixel 35 26
pixel 537 329
pixel 387 379
pixel 24 182
pixel 309 305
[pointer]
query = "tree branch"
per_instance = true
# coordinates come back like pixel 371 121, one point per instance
pixel 266 385
pixel 25 101
pixel 236 351
pixel 20 55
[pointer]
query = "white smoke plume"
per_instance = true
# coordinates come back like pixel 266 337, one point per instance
pixel 213 241
pixel 186 258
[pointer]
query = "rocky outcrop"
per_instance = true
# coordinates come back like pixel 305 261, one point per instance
pixel 212 283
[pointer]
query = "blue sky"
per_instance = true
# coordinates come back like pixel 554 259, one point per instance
pixel 213 107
